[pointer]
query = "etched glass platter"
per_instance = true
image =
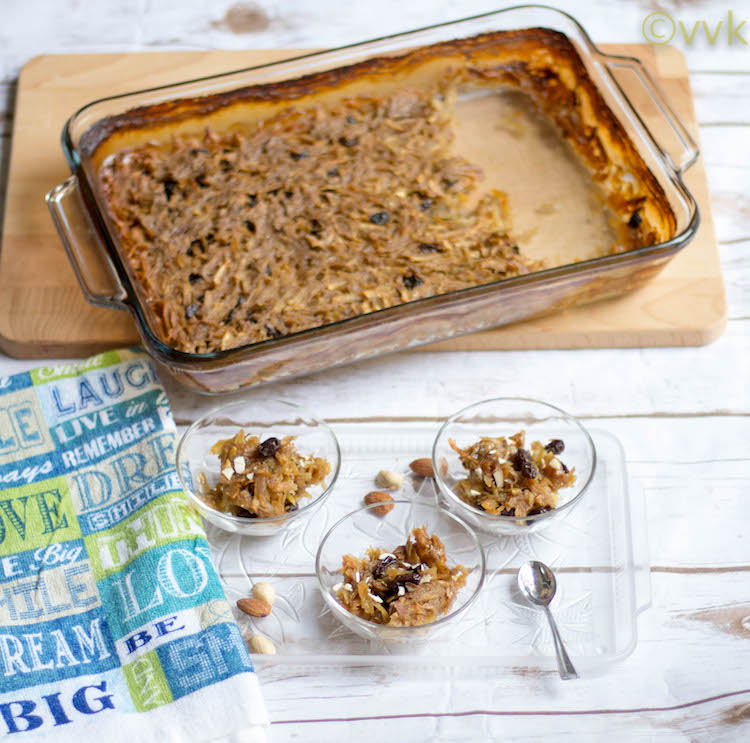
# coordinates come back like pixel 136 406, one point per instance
pixel 598 552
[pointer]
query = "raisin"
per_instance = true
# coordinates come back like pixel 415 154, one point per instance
pixel 380 218
pixel 201 180
pixel 555 446
pixel 411 577
pixel 349 141
pixel 332 172
pixel 252 199
pixel 523 463
pixel 245 514
pixel 565 468
pixel 412 281
pixel 169 186
pixel 250 225
pixel 230 315
pixel 269 447
pixel 273 332
pixel 425 204
pixel 297 156
pixel 194 277
pixel 191 310
pixel 635 220
pixel 429 248
pixel 507 512
pixel 539 509
pixel 292 507
pixel 382 565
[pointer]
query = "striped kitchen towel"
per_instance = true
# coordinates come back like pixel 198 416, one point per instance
pixel 113 624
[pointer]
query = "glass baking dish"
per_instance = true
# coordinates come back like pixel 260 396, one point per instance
pixel 106 279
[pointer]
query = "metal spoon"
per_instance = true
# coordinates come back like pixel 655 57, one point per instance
pixel 537 583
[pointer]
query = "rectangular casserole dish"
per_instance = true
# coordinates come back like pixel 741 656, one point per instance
pixel 517 40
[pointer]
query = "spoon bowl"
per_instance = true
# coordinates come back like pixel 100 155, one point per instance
pixel 537 582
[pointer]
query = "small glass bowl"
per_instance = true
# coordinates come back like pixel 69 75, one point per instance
pixel 357 531
pixel 505 416
pixel 277 418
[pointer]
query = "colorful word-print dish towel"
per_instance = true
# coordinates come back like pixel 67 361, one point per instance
pixel 113 625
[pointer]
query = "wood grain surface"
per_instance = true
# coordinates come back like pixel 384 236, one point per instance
pixel 43 313
pixel 682 414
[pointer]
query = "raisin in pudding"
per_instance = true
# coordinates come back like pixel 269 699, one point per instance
pixel 261 479
pixel 508 478
pixel 410 586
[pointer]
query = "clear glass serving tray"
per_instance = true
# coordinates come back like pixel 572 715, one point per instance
pixel 598 551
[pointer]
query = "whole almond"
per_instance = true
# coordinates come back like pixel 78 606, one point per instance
pixel 264 591
pixel 423 467
pixel 254 607
pixel 378 496
pixel 262 645
pixel 389 480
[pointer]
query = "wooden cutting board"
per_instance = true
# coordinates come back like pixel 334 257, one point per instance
pixel 43 313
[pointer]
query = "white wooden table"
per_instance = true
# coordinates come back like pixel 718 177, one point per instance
pixel 682 414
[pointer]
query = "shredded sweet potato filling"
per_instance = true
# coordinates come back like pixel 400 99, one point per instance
pixel 410 586
pixel 261 479
pixel 307 218
pixel 507 479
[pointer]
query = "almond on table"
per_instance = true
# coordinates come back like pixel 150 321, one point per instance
pixel 422 467
pixel 389 479
pixel 264 591
pixel 384 499
pixel 254 607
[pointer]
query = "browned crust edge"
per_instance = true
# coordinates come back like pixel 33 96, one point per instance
pixel 523 43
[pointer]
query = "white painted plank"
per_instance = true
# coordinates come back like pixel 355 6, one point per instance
pixel 599 383
pixel 683 631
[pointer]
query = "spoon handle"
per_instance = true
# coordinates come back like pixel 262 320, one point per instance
pixel 564 665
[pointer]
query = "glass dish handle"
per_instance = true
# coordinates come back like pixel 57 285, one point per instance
pixel 681 150
pixel 92 265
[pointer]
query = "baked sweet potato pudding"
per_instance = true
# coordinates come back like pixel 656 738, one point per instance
pixel 410 586
pixel 510 479
pixel 261 479
pixel 269 210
